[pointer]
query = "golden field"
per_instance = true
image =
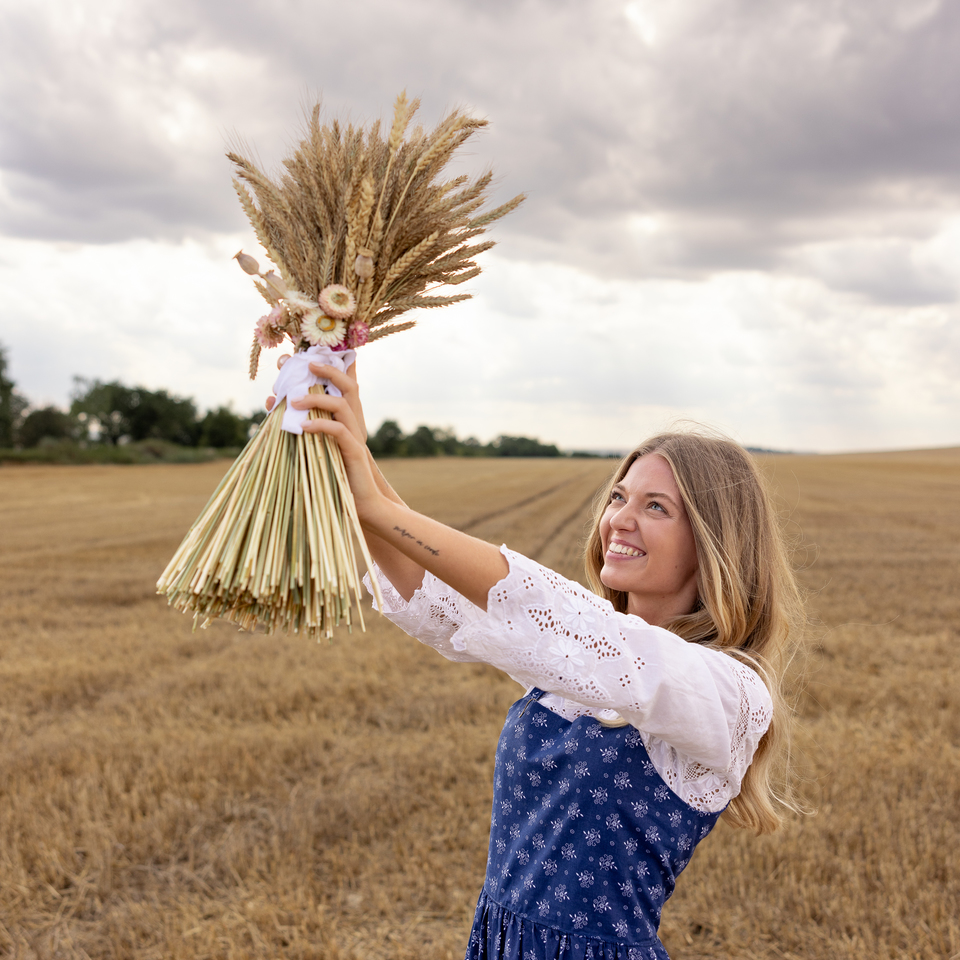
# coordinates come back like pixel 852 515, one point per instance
pixel 165 793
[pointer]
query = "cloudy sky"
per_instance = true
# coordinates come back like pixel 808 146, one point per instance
pixel 740 212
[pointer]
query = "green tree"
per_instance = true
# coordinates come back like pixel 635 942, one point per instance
pixel 103 408
pixel 423 443
pixel 223 428
pixel 388 441
pixel 116 412
pixel 471 447
pixel 47 422
pixel 447 441
pixel 12 405
pixel 505 446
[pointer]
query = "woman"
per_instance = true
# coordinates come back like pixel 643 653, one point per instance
pixel 652 704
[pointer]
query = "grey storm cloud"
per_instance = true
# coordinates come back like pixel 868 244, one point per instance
pixel 655 139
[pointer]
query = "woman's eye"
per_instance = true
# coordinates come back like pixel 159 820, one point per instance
pixel 656 506
pixel 615 496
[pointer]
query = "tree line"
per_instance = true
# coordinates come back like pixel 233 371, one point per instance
pixel 111 414
pixel 390 441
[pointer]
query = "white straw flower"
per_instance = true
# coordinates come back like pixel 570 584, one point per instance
pixel 337 301
pixel 298 303
pixel 318 328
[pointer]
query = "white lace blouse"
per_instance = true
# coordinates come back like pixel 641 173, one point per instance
pixel 701 713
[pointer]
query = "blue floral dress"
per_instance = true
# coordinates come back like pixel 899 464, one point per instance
pixel 586 843
pixel 591 824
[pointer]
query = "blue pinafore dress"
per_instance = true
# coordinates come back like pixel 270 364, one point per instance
pixel 586 842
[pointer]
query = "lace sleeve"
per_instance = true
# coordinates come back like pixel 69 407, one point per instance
pixel 433 615
pixel 545 631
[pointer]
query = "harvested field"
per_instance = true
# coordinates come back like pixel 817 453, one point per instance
pixel 171 794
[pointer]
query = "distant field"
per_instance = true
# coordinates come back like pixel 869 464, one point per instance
pixel 165 794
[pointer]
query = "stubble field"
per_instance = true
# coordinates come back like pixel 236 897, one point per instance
pixel 171 794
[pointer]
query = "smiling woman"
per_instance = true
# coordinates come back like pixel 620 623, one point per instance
pixel 649 551
pixel 652 704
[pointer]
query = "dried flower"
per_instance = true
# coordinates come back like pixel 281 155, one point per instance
pixel 318 328
pixel 337 301
pixel 275 284
pixel 298 304
pixel 247 263
pixel 363 265
pixel 358 334
pixel 268 331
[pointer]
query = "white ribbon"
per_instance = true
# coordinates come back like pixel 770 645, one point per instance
pixel 295 380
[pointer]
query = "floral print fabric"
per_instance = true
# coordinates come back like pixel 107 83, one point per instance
pixel 586 842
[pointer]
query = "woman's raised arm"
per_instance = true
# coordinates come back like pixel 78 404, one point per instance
pixel 402 541
pixel 404 573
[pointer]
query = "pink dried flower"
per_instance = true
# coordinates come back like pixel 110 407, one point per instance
pixel 337 301
pixel 358 334
pixel 268 332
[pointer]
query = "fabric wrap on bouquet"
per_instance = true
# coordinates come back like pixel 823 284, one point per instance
pixel 295 380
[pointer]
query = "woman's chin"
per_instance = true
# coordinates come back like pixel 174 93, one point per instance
pixel 612 577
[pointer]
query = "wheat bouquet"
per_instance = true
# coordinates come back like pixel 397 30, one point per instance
pixel 360 231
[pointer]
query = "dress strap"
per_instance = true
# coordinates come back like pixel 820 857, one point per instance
pixel 535 694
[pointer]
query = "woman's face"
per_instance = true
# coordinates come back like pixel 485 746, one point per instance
pixel 648 548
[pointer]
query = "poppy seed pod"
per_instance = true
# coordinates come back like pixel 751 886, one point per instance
pixel 363 265
pixel 275 284
pixel 247 263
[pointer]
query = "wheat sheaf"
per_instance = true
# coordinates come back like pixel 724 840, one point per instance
pixel 362 230
pixel 372 214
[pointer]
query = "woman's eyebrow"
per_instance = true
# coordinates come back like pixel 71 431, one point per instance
pixel 655 495
pixel 649 494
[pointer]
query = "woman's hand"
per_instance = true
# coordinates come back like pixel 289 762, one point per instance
pixel 348 429
pixel 402 542
pixel 347 384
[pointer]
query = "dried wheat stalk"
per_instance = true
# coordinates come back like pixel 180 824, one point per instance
pixel 345 190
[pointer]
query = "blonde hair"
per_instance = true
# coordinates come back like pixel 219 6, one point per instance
pixel 748 603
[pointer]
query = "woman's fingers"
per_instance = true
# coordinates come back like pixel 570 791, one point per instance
pixel 346 383
pixel 366 494
pixel 339 407
pixel 348 412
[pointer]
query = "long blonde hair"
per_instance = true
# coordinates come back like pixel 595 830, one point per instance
pixel 748 603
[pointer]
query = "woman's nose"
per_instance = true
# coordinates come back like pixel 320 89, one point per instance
pixel 624 519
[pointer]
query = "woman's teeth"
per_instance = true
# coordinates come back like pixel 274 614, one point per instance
pixel 626 551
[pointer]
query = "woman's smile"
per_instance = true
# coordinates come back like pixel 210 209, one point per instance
pixel 620 549
pixel 649 550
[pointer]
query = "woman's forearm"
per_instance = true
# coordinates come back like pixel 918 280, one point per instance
pixel 404 543
pixel 468 565
pixel 404 573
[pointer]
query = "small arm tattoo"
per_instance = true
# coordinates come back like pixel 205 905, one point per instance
pixel 406 535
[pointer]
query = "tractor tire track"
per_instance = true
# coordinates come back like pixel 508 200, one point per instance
pixel 567 522
pixel 475 522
